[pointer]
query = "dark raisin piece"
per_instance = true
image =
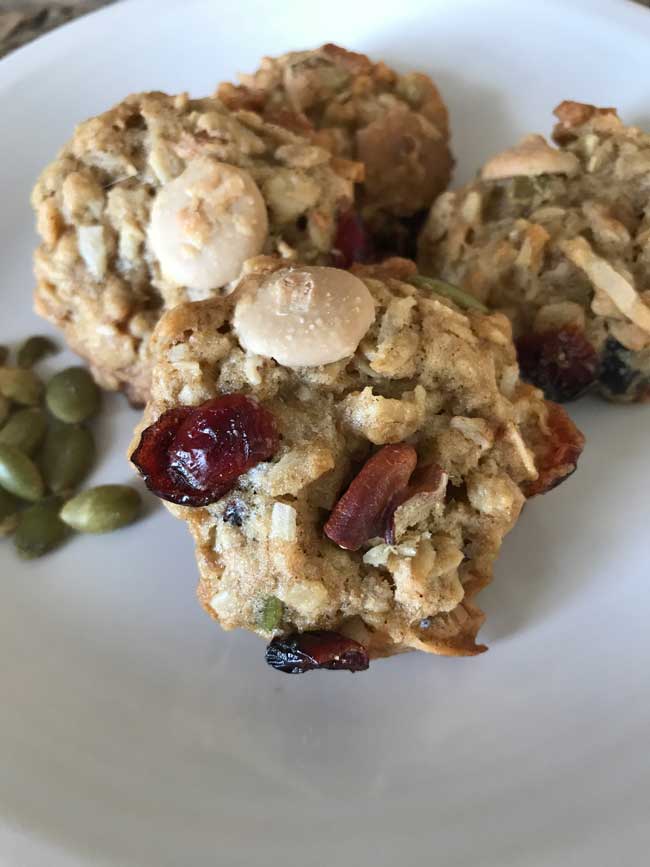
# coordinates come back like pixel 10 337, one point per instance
pixel 234 513
pixel 351 243
pixel 194 455
pixel 562 363
pixel 307 651
pixel 360 513
pixel 616 375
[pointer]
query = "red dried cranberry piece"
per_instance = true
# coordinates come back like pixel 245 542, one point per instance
pixel 562 363
pixel 194 455
pixel 351 243
pixel 151 456
pixel 427 479
pixel 307 651
pixel 360 513
pixel 558 457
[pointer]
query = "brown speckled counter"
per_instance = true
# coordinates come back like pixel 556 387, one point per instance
pixel 24 20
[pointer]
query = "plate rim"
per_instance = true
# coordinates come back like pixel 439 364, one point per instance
pixel 13 64
pixel 628 15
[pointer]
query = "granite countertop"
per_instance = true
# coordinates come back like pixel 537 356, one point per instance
pixel 23 20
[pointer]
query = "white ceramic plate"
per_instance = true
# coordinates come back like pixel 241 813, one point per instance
pixel 134 732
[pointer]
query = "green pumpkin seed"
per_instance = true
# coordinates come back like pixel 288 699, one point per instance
pixel 5 408
pixel 9 508
pixel 72 395
pixel 21 386
pixel 102 509
pixel 271 614
pixel 25 430
pixel 447 290
pixel 4 354
pixel 67 457
pixel 19 475
pixel 40 529
pixel 34 349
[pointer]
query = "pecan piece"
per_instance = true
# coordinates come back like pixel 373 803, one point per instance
pixel 430 479
pixel 360 513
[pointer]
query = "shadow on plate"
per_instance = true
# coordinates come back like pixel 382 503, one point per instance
pixel 573 538
pixel 640 120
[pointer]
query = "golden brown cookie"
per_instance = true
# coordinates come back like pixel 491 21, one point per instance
pixel 160 200
pixel 397 125
pixel 558 239
pixel 362 486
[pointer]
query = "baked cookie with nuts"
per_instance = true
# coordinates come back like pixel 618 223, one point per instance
pixel 161 200
pixel 348 450
pixel 396 125
pixel 558 238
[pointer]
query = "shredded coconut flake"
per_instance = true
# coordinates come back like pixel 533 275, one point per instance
pixel 532 156
pixel 92 248
pixel 608 280
pixel 283 522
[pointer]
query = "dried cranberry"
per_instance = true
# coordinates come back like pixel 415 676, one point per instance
pixel 307 651
pixel 558 457
pixel 562 363
pixel 151 456
pixel 194 455
pixel 351 243
pixel 360 513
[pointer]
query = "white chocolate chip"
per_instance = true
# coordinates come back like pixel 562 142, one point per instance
pixel 206 223
pixel 532 156
pixel 303 316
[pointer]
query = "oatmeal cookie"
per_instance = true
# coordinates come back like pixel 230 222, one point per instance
pixel 397 125
pixel 559 240
pixel 348 452
pixel 160 200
